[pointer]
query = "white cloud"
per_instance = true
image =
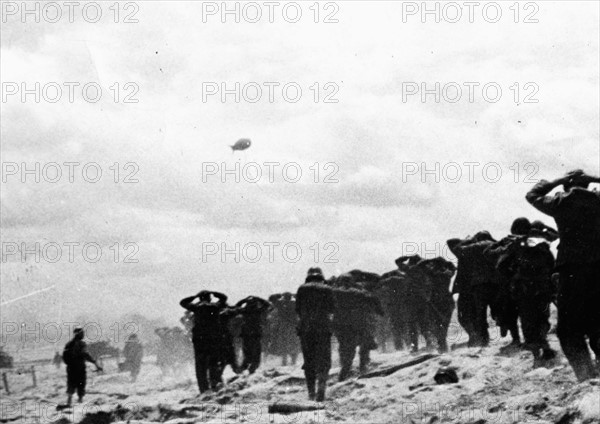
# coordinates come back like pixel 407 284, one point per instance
pixel 369 134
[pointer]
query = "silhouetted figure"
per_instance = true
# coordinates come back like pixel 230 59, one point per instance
pixel 231 325
pixel 576 211
pixel 57 360
pixel 75 355
pixel 207 337
pixel 394 294
pixel 532 291
pixel 351 323
pixel 499 254
pixel 283 322
pixel 417 299
pixel 162 351
pixel 475 284
pixel 133 353
pixel 254 310
pixel 440 306
pixel 525 265
pixel 315 306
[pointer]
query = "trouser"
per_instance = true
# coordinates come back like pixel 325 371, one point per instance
pixel 440 317
pixel 76 380
pixel 316 350
pixel 252 349
pixel 399 328
pixel 228 355
pixel 510 321
pixel 208 369
pixel 534 314
pixel 467 316
pixel 418 321
pixel 507 315
pixel 348 342
pixel 472 308
pixel 579 316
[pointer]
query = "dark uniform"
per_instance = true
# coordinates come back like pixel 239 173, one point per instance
pixel 503 256
pixel 315 305
pixel 441 302
pixel 507 315
pixel 207 337
pixel 254 310
pixel 393 289
pixel 230 323
pixel 532 291
pixel 475 284
pixel 75 355
pixel 416 300
pixel 352 328
pixel 577 215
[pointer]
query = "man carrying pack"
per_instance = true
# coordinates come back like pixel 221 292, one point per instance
pixel 75 355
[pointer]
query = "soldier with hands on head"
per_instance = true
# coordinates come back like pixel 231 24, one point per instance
pixel 576 211
pixel 207 336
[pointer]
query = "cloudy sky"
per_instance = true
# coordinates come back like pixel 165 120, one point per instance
pixel 372 142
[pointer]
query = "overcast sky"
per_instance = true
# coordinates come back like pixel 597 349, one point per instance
pixel 371 215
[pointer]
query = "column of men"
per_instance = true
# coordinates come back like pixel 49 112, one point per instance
pixel 515 278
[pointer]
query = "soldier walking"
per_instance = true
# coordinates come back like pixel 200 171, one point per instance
pixel 75 355
pixel 207 336
pixel 133 353
pixel 576 211
pixel 315 306
pixel 254 310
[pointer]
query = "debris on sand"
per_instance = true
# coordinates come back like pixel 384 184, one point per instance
pixel 293 408
pixel 291 381
pixel 539 373
pixel 446 375
pixel 388 371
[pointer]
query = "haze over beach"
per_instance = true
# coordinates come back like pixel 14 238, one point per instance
pixel 379 207
pixel 362 212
